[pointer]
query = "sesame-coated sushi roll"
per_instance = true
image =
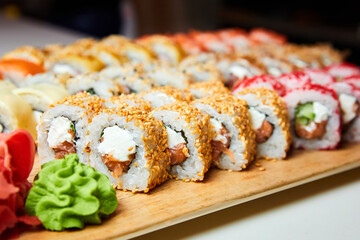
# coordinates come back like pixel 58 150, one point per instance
pixel 233 140
pixel 95 84
pixel 130 147
pixel 270 121
pixel 74 64
pixel 166 75
pixel 165 95
pixel 189 136
pixel 63 128
pixel 28 53
pixel 315 118
pixel 208 88
pixel 202 72
pixel 129 100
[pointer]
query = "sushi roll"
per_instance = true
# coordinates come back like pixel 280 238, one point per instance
pixel 47 78
pixel 294 80
pixel 15 113
pixel 208 88
pixel 210 42
pixel 188 140
pixel 130 147
pixel 349 97
pixel 165 95
pixel 16 70
pixel 233 140
pixel 40 97
pixel 131 100
pixel 164 47
pixel 95 84
pixel 319 76
pixel 270 120
pixel 354 80
pixel 264 36
pixel 63 127
pixel 166 75
pixel 27 53
pixel 262 81
pixel 202 72
pixel 343 70
pixel 189 45
pixel 132 51
pixel 315 118
pixel 236 38
pixel 74 64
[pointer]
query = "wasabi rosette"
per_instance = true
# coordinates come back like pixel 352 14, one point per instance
pixel 69 194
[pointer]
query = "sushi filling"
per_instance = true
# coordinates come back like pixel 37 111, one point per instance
pixel 221 142
pixel 349 108
pixel 311 120
pixel 263 128
pixel 60 68
pixel 61 137
pixel 177 146
pixel 117 149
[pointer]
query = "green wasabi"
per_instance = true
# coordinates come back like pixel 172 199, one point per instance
pixel 69 194
pixel 304 113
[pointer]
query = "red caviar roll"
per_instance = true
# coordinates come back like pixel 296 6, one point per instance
pixel 259 82
pixel 319 76
pixel 210 41
pixel 343 70
pixel 315 118
pixel 355 80
pixel 236 38
pixel 294 80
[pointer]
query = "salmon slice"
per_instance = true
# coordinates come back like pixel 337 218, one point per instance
pixel 17 69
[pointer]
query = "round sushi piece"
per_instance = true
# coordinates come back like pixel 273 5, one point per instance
pixel 208 88
pixel 355 80
pixel 202 72
pixel 137 83
pixel 164 47
pixel 319 76
pixel 131 100
pixel 349 97
pixel 95 84
pixel 241 68
pixel 264 36
pixel 270 120
pixel 233 141
pixel 165 95
pixel 107 55
pixel 130 147
pixel 189 45
pixel 16 70
pixel 315 118
pixel 167 75
pixel 343 70
pixel 74 64
pixel 47 78
pixel 40 97
pixel 210 42
pixel 262 81
pixel 63 128
pixel 235 37
pixel 27 53
pixel 132 51
pixel 188 140
pixel 15 113
pixel 294 80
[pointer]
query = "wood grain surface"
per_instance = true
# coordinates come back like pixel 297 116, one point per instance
pixel 176 201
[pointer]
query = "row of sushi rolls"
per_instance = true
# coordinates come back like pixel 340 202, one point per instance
pixel 171 106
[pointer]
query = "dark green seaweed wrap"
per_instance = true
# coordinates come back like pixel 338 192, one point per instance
pixel 69 194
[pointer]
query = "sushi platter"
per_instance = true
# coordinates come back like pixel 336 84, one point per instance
pixel 134 135
pixel 175 201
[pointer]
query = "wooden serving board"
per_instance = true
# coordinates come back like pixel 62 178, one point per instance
pixel 177 201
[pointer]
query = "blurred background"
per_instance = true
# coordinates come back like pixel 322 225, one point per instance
pixel 305 22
